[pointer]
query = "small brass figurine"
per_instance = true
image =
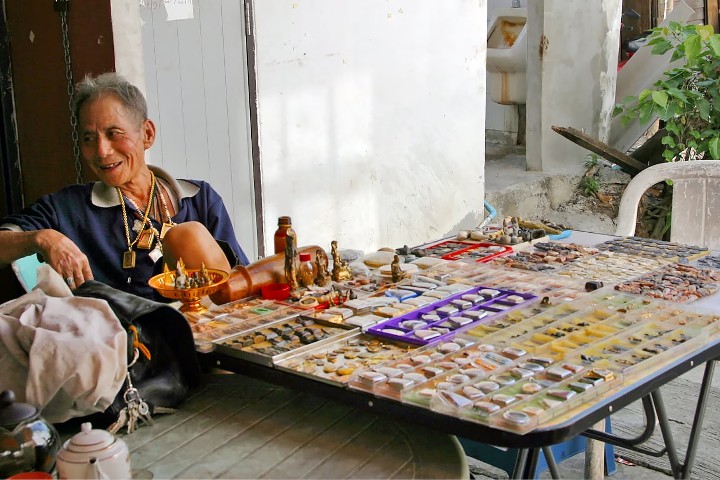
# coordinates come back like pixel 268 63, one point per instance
pixel 204 276
pixel 396 270
pixel 181 277
pixel 507 227
pixel 323 276
pixel 291 255
pixel 340 270
pixel 334 252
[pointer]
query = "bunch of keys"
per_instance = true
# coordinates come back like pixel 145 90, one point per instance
pixel 136 410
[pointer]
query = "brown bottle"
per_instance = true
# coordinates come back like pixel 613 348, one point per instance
pixel 284 224
pixel 246 281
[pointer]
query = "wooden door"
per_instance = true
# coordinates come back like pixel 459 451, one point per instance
pixel 41 118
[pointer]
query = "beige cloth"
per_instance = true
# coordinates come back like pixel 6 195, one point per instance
pixel 65 355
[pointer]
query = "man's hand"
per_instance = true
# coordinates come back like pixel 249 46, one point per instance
pixel 64 256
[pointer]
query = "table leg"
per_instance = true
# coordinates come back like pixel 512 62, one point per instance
pixel 698 420
pixel 653 406
pixel 520 462
pixel 595 455
pixel 666 433
pixel 531 464
pixel 632 443
pixel 550 459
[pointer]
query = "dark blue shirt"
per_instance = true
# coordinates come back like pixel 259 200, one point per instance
pixel 90 215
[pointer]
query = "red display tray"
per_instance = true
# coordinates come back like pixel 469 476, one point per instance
pixel 479 252
pixel 446 247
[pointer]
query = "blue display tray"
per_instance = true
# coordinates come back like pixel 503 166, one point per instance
pixel 441 322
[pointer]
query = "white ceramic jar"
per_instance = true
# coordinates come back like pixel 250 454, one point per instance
pixel 94 454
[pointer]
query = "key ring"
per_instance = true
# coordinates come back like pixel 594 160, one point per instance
pixel 136 355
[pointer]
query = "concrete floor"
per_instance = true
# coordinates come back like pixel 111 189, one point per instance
pixel 514 191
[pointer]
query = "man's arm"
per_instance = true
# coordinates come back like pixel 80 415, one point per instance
pixel 14 245
pixel 59 252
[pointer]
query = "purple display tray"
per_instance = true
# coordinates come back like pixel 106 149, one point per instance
pixel 494 306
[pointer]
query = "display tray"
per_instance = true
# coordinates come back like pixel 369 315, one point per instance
pixel 338 360
pixel 711 261
pixel 446 247
pixel 224 325
pixel 675 282
pixel 653 248
pixel 546 256
pixel 479 252
pixel 454 313
pixel 269 344
pixel 611 267
pixel 390 379
pixel 554 287
pixel 489 382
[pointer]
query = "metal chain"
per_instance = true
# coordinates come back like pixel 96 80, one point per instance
pixel 71 94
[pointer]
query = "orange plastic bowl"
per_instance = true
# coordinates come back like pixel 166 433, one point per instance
pixel 276 291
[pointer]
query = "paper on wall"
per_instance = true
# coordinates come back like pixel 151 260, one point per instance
pixel 179 9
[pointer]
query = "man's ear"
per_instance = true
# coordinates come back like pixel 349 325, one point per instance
pixel 148 130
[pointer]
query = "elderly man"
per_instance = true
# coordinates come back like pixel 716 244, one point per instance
pixel 116 230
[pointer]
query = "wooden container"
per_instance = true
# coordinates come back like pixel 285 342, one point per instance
pixel 246 281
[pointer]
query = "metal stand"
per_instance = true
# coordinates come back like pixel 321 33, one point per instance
pixel 527 461
pixel 520 463
pixel 653 406
pixel 632 443
pixel 550 459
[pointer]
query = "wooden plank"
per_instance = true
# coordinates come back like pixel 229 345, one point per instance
pixel 627 163
pixel 711 14
pixel 238 427
pixel 650 152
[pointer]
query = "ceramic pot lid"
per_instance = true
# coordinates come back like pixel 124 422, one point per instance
pixel 12 413
pixel 89 440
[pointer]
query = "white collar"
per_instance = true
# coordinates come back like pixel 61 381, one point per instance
pixel 105 196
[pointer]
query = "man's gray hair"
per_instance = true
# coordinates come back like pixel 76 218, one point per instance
pixel 111 83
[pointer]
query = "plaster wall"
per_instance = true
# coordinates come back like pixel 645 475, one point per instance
pixel 575 81
pixel 371 118
pixel 572 61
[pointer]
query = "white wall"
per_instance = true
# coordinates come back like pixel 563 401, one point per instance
pixel 371 118
pixel 574 80
pixel 571 85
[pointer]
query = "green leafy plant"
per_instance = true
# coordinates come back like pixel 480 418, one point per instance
pixel 593 160
pixel 589 186
pixel 687 98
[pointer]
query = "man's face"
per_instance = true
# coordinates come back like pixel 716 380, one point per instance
pixel 112 141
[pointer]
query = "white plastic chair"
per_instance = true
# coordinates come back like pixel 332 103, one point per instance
pixel 695 203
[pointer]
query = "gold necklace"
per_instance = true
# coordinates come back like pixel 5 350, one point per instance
pixel 129 256
pixel 167 225
pixel 147 236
